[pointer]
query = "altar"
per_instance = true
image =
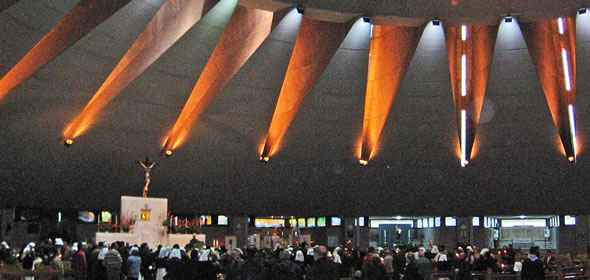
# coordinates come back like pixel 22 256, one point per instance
pixel 147 215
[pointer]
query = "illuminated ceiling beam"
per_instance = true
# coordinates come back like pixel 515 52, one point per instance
pixel 5 4
pixel 173 19
pixel 470 51
pixel 245 32
pixel 552 46
pixel 80 20
pixel 316 44
pixel 390 54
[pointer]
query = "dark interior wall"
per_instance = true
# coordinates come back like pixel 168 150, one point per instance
pixel 517 155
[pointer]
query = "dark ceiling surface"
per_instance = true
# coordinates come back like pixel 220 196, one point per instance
pixel 518 167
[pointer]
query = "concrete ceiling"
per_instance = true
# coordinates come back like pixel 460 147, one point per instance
pixel 517 168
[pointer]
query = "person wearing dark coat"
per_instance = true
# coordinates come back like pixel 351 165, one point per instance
pixel 412 272
pixel 233 268
pixel 286 269
pixel 533 267
pixel 375 270
pixel 322 269
pixel 253 267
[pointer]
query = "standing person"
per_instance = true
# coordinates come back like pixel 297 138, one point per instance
pixel 375 270
pixel 133 264
pixel 412 272
pixel 98 269
pixel 161 262
pixel 388 263
pixel 79 264
pixel 175 265
pixel 322 269
pixel 112 262
pixel 253 268
pixel 532 267
pixel 286 269
pixel 233 269
pixel 424 264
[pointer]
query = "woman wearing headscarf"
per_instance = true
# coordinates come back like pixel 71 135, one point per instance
pixel 205 266
pixel 161 263
pixel 175 267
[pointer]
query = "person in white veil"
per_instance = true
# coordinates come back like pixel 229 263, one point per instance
pixel 175 253
pixel 299 258
pixel 336 255
pixel 161 262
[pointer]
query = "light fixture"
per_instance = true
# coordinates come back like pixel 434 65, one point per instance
pixel 363 162
pixel 68 142
pixel 508 19
pixel 436 22
pixel 566 70
pixel 367 18
pixel 464 75
pixel 264 159
pixel 464 159
pixel 301 9
pixel 560 26
pixel 464 32
pixel 581 11
pixel 168 153
pixel 572 121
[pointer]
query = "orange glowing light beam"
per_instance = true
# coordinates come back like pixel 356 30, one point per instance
pixel 316 44
pixel 5 4
pixel 173 19
pixel 245 32
pixel 546 43
pixel 390 54
pixel 477 46
pixel 80 20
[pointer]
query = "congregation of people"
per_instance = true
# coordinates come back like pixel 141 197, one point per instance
pixel 124 261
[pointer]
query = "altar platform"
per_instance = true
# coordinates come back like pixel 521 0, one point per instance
pixel 148 214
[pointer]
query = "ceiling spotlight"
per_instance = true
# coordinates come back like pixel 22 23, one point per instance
pixel 508 19
pixel 436 22
pixel 168 153
pixel 466 162
pixel 581 11
pixel 264 159
pixel 363 162
pixel 571 159
pixel 300 9
pixel 68 142
pixel 367 18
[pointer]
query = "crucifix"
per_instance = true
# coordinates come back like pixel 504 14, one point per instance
pixel 147 165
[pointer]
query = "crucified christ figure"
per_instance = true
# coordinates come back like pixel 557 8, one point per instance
pixel 147 165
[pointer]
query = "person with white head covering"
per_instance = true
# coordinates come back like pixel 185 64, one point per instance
pixel 336 257
pixel 29 248
pixel 174 265
pixel 175 253
pixel 434 250
pixel 204 257
pixel 299 258
pixel 102 253
pixel 59 242
pixel 133 264
pixel 161 262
